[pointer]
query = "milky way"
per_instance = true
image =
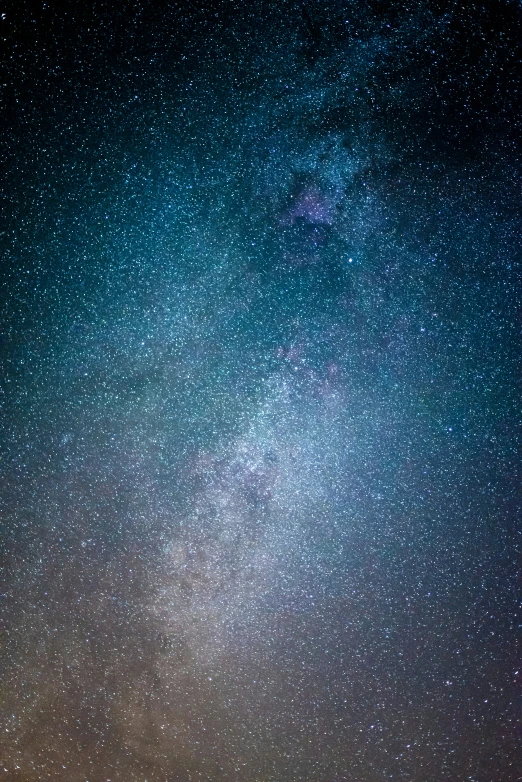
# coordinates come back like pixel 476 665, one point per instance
pixel 261 345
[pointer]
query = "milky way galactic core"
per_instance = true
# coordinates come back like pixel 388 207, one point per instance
pixel 260 298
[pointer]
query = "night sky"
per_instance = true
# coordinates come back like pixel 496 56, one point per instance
pixel 260 302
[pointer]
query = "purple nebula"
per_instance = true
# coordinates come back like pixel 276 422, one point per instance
pixel 311 205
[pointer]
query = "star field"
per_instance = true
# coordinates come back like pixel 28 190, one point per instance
pixel 260 385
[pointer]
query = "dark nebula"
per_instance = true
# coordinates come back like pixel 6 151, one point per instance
pixel 260 296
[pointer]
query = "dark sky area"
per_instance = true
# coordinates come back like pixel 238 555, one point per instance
pixel 260 386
